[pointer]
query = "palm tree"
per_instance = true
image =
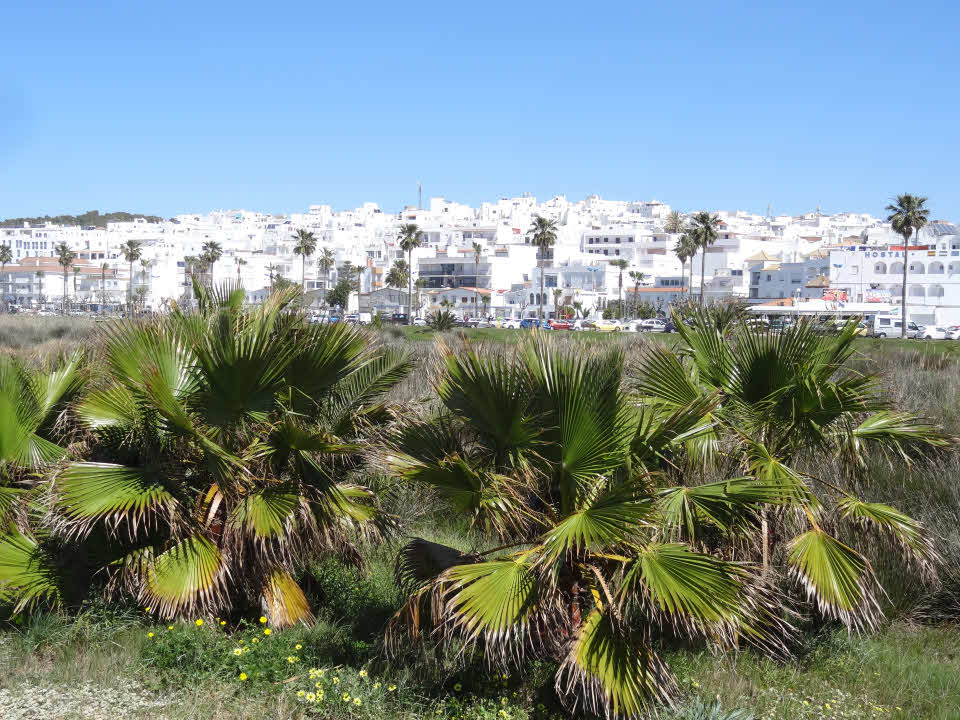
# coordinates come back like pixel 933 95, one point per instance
pixel 240 262
pixel 637 277
pixel 65 258
pixel 398 274
pixel 781 403
pixel 198 520
pixel 410 237
pixel 76 276
pixel 485 300
pixel 674 223
pixel 578 309
pixel 907 215
pixel 6 256
pixel 103 287
pixel 477 249
pixel 325 263
pixel 212 252
pixel 132 252
pixel 544 233
pixel 621 265
pixel 272 269
pixel 557 293
pixel 705 233
pixel 346 271
pixel 685 249
pixel 420 284
pixel 359 269
pixel 306 244
pixel 561 471
pixel 39 275
pixel 144 284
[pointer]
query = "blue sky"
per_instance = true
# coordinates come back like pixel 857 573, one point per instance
pixel 169 107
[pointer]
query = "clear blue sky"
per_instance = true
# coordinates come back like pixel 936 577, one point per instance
pixel 178 106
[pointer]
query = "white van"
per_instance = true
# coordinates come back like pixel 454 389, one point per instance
pixel 886 326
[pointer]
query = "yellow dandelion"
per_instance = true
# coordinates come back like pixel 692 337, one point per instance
pixel 169 627
pixel 298 646
pixel 222 623
pixel 291 659
pixel 243 676
pixel 263 620
pixel 391 688
pixel 318 684
pixel 311 697
pixel 255 641
pixel 363 673
pixel 346 697
pixel 458 687
pixel 150 634
pixel 199 623
pixel 356 701
pixel 300 693
pixel 336 680
pixel 267 631
pixel 238 651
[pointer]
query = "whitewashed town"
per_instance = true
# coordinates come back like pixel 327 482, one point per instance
pixel 483 263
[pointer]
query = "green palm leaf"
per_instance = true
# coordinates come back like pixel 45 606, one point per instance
pixel 191 575
pixel 609 672
pixel 266 512
pixel 836 577
pixel 901 528
pixel 28 575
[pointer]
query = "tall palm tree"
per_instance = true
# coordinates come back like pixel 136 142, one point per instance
pixel 621 265
pixel 907 216
pixel 705 231
pixel 306 244
pixel 325 263
pixel 212 252
pixel 199 521
pixel 477 249
pixel 103 287
pixel 561 470
pixel 544 232
pixel 240 262
pixel 132 252
pixel 346 271
pixel 557 293
pixel 272 269
pixel 637 277
pixel 578 309
pixel 485 301
pixel 685 249
pixel 6 256
pixel 65 258
pixel 410 237
pixel 39 275
pixel 420 284
pixel 76 277
pixel 674 223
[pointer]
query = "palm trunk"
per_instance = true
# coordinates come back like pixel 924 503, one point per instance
pixel 620 294
pixel 64 303
pixel 130 288
pixel 476 285
pixel 410 286
pixel 903 291
pixel 540 306
pixel 703 267
pixel 303 274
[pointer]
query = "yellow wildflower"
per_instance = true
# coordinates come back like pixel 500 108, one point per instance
pixel 291 659
pixel 255 640
pixel 237 651
pixel 169 627
pixel 222 623
pixel 298 647
pixel 147 610
pixel 311 697
pixel 356 701
pixel 243 676
pixel 263 620
pixel 346 697
pixel 199 623
pixel 267 631
pixel 458 687
pixel 363 673
pixel 300 693
pixel 391 688
pixel 336 680
pixel 318 684
pixel 376 686
pixel 150 634
pixel 827 705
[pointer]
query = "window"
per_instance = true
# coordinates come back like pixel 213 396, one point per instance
pixel 935 268
pixel 769 277
pixel 880 268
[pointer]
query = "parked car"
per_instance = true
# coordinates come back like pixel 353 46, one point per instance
pixel 400 319
pixel 893 330
pixel 510 324
pixel 652 325
pixel 420 322
pixel 607 326
pixel 529 323
pixel 953 332
pixel 934 332
pixel 560 325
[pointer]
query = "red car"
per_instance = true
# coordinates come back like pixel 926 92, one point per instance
pixel 561 325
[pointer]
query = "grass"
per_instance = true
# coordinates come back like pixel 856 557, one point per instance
pixel 103 653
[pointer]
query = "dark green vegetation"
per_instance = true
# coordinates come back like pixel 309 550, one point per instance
pixel 90 218
pixel 626 514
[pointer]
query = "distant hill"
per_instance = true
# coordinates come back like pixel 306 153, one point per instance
pixel 91 217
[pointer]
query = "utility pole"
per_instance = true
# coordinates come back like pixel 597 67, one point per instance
pixel 419 195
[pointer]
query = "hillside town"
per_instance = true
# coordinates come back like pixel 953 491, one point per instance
pixel 482 262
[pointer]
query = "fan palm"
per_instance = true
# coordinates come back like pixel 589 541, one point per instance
pixel 549 456
pixel 410 238
pixel 785 406
pixel 39 274
pixel 544 232
pixel 621 265
pixel 557 294
pixel 225 442
pixel 704 232
pixel 131 251
pixel 305 244
pixel 907 216
pixel 325 263
pixel 212 252
pixel 674 222
pixel 398 274
pixel 685 250
pixel 32 403
pixel 65 258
